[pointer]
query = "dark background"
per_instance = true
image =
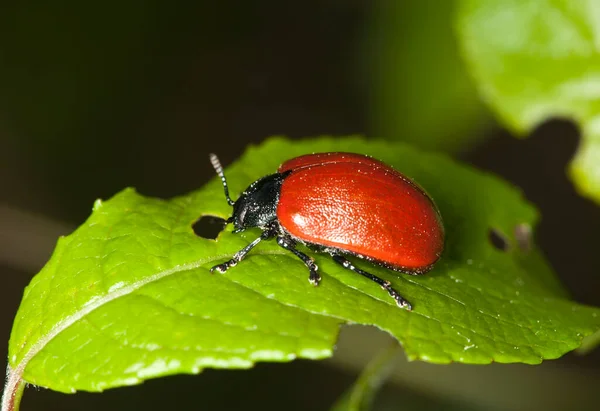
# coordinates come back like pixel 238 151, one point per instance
pixel 94 98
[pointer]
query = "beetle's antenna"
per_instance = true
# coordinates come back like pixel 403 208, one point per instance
pixel 219 169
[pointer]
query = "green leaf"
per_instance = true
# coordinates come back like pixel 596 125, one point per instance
pixel 360 397
pixel 129 296
pixel 539 59
pixel 422 92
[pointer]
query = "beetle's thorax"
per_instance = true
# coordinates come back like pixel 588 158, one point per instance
pixel 257 205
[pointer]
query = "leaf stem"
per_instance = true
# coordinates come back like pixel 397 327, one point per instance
pixel 13 390
pixel 374 375
pixel 589 343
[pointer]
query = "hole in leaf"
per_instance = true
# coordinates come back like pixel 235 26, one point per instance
pixel 208 226
pixel 498 240
pixel 523 236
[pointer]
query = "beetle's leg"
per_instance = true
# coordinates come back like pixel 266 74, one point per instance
pixel 239 256
pixel 290 245
pixel 344 262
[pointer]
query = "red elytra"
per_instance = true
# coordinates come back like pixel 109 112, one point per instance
pixel 341 203
pixel 361 205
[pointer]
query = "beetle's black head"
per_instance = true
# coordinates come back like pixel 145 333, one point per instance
pixel 257 206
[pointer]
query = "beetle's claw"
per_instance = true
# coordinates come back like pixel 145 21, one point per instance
pixel 402 303
pixel 314 278
pixel 221 268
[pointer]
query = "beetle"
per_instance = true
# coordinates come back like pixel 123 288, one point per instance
pixel 341 204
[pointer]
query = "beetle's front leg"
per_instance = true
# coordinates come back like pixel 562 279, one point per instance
pixel 240 255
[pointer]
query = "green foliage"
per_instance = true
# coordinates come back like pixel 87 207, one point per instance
pixel 538 59
pixel 422 93
pixel 128 296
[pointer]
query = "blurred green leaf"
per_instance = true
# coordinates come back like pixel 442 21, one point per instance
pixel 422 93
pixel 361 395
pixel 128 296
pixel 534 60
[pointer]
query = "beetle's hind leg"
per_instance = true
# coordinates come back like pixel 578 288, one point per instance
pixel 386 285
pixel 289 244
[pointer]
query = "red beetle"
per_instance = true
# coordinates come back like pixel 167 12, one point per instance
pixel 341 204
